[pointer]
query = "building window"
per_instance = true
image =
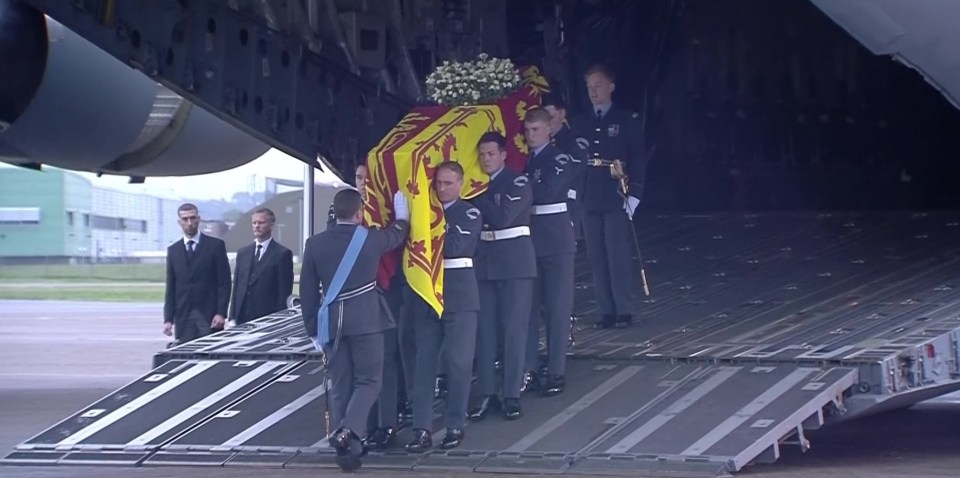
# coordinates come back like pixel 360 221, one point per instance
pixel 86 220
pixel 19 215
pixel 70 218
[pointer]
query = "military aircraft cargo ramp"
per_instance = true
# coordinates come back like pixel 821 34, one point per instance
pixel 758 329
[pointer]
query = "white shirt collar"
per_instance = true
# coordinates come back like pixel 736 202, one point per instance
pixel 448 204
pixel 265 244
pixel 195 239
pixel 496 173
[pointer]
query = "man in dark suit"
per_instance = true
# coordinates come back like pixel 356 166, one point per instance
pixel 455 333
pixel 506 267
pixel 263 277
pixel 552 174
pixel 354 339
pixel 198 281
pixel 615 134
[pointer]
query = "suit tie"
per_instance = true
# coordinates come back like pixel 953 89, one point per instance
pixel 190 249
pixel 259 252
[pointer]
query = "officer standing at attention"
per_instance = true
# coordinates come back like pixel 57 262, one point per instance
pixel 552 173
pixel 615 135
pixel 506 268
pixel 343 261
pixel 456 332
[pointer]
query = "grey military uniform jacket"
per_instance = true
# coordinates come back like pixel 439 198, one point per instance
pixel 618 135
pixel 506 204
pixel 322 254
pixel 552 173
pixel 463 233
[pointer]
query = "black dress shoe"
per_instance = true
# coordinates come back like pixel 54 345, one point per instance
pixel 607 322
pixel 380 439
pixel 452 438
pixel 349 449
pixel 554 386
pixel 422 441
pixel 531 382
pixel 624 321
pixel 511 408
pixel 480 411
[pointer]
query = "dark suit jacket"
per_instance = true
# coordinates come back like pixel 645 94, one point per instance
pixel 505 204
pixel 321 258
pixel 618 135
pixel 552 173
pixel 261 288
pixel 203 284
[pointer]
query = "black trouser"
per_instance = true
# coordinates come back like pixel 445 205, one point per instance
pixel 553 303
pixel 608 239
pixel 195 325
pixel 356 371
pixel 456 336
pixel 406 339
pixel 504 308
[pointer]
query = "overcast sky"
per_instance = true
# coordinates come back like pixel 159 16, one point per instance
pixel 222 185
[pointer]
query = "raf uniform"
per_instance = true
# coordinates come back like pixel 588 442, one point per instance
pixel 552 173
pixel 506 267
pixel 576 147
pixel 357 322
pixel 613 134
pixel 382 422
pixel 455 333
pixel 263 280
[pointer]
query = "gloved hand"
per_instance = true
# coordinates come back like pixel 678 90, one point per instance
pixel 630 205
pixel 401 206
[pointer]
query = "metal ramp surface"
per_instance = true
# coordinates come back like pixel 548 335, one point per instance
pixel 693 418
pixel 758 328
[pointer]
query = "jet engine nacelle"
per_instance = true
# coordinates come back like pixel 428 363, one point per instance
pixel 66 103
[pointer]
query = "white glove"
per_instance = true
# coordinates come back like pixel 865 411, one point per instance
pixel 401 206
pixel 630 205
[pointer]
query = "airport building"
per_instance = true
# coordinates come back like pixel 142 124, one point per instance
pixel 59 216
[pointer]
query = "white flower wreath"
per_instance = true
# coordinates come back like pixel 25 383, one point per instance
pixel 466 83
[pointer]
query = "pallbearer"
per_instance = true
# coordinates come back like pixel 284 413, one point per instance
pixel 506 267
pixel 562 135
pixel 456 333
pixel 346 321
pixel 552 174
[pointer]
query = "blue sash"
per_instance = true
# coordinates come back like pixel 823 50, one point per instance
pixel 339 278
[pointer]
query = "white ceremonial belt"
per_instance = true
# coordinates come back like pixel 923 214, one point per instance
pixel 502 234
pixel 556 208
pixel 572 194
pixel 458 263
pixel 350 294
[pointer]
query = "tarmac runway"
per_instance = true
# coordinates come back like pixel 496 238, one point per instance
pixel 58 357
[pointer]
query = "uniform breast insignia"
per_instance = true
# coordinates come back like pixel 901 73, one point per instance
pixel 583 143
pixel 520 181
pixel 613 130
pixel 562 159
pixel 473 213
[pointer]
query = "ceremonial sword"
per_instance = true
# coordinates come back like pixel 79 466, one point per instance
pixel 616 170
